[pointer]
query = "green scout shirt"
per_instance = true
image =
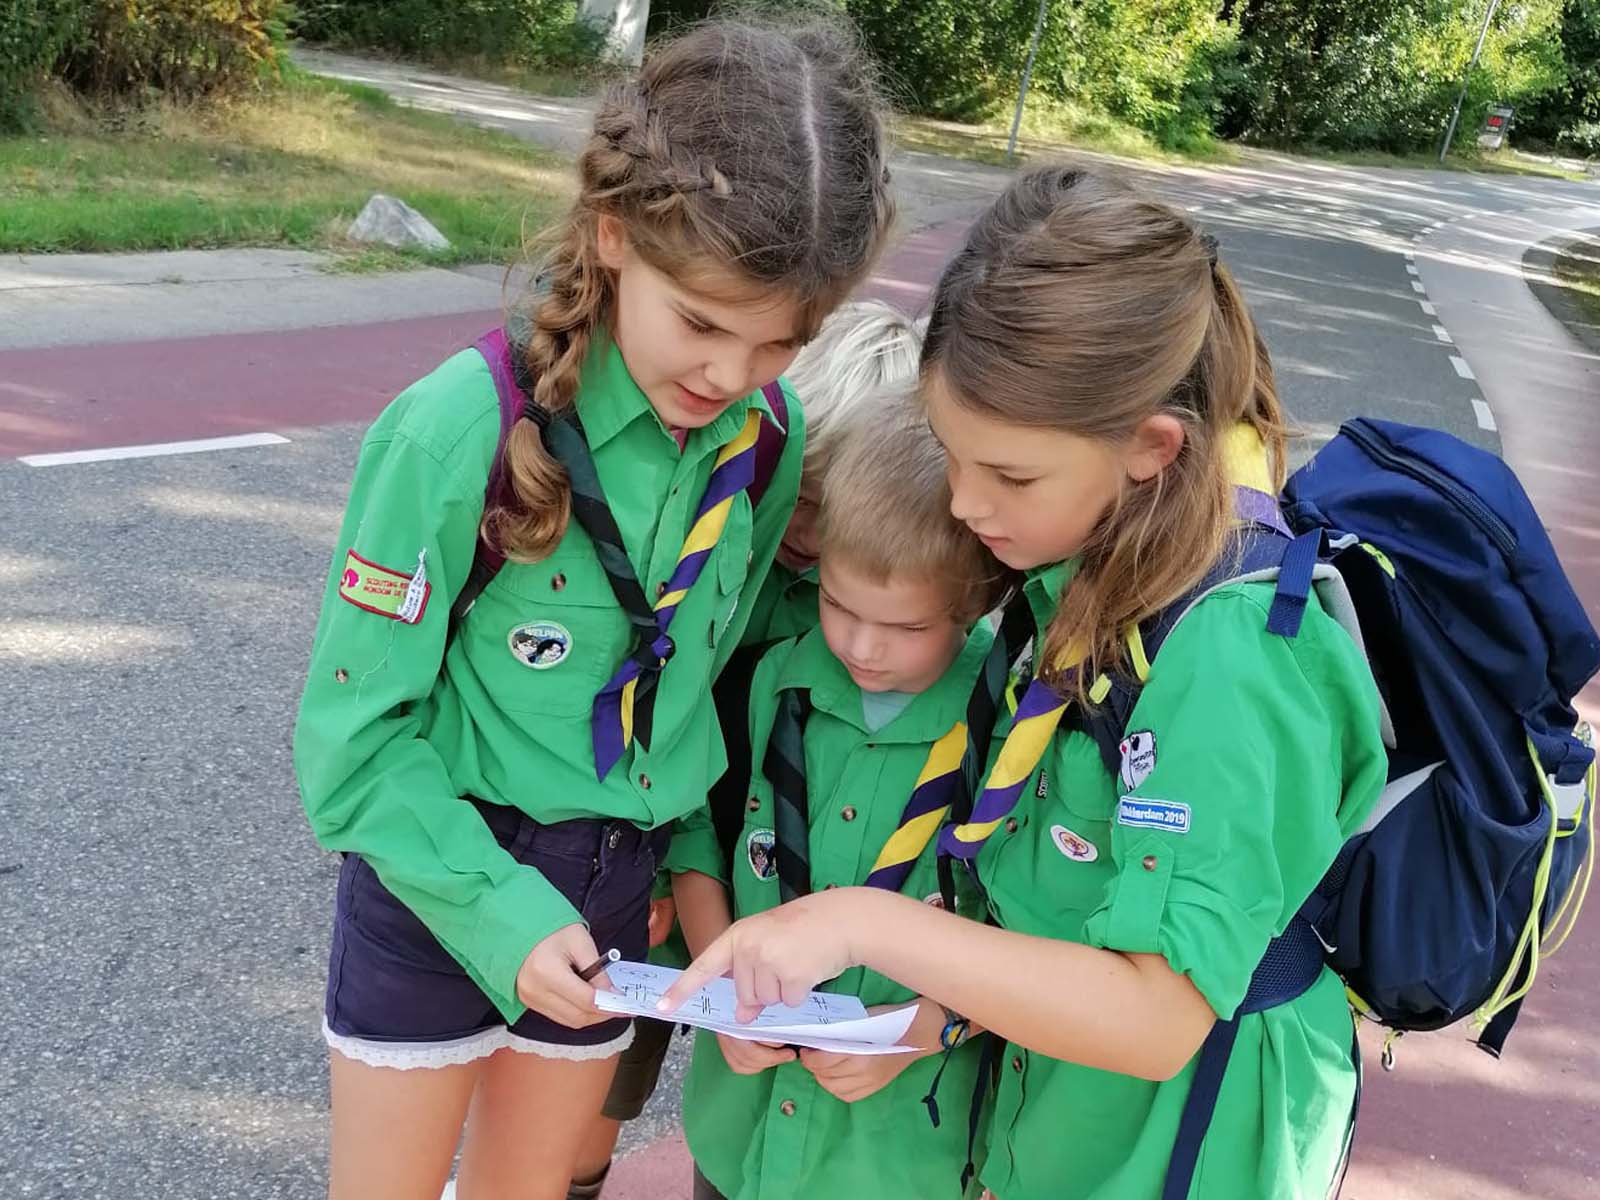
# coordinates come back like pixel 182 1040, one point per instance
pixel 778 1134
pixel 1273 745
pixel 787 606
pixel 389 738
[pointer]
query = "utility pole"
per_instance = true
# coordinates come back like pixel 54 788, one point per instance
pixel 1450 133
pixel 1027 74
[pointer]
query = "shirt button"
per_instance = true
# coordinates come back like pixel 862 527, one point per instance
pixel 1011 824
pixel 644 782
pixel 341 676
pixel 1016 1063
pixel 848 812
pixel 558 581
pixel 787 1108
pixel 754 804
pixel 1149 863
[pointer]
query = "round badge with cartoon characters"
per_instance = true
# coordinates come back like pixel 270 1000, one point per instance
pixel 540 644
pixel 758 848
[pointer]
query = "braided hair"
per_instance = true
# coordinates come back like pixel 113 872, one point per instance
pixel 747 149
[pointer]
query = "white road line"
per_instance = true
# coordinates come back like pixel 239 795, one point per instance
pixel 1460 364
pixel 71 457
pixel 1411 256
pixel 1416 286
pixel 1443 334
pixel 1428 308
pixel 1485 417
pixel 1411 268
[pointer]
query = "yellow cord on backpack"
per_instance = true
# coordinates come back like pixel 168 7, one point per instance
pixel 1580 883
pixel 1528 942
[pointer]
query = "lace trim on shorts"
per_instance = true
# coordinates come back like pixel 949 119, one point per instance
pixel 409 1056
pixel 616 1045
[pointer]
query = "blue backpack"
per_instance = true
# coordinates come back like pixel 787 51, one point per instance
pixel 1477 855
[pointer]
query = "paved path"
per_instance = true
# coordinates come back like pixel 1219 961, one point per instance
pixel 156 614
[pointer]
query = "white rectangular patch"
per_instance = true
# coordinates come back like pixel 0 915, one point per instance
pixel 1153 814
pixel 1138 758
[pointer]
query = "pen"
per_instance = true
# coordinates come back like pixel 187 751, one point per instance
pixel 600 964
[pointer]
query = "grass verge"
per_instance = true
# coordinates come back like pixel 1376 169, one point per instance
pixel 1577 268
pixel 1049 129
pixel 290 167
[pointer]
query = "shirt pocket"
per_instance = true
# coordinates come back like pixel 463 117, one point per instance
pixel 545 637
pixel 734 558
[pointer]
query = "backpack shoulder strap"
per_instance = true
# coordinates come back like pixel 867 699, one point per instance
pixel 1259 552
pixel 770 441
pixel 487 559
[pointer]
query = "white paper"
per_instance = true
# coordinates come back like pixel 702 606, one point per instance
pixel 826 1021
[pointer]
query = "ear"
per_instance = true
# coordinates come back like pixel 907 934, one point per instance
pixel 1156 443
pixel 611 240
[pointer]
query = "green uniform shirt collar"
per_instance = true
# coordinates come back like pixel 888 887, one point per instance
pixel 1043 587
pixel 926 719
pixel 610 401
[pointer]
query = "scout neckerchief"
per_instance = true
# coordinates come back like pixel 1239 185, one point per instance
pixel 946 781
pixel 784 766
pixel 624 707
pixel 1040 710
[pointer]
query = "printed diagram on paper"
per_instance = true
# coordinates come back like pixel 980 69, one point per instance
pixel 824 1022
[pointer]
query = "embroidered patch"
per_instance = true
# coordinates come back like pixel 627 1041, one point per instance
pixel 393 594
pixel 1043 788
pixel 1153 814
pixel 1074 847
pixel 1138 758
pixel 540 644
pixel 758 849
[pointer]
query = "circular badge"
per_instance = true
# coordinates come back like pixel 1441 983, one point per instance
pixel 758 849
pixel 1074 847
pixel 540 644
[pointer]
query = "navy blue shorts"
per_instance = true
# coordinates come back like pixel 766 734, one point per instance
pixel 396 998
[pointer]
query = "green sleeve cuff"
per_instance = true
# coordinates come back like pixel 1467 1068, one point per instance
pixel 513 918
pixel 695 848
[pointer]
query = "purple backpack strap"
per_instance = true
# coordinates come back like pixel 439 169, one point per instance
pixel 770 441
pixel 487 559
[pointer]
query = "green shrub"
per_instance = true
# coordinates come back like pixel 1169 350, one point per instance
pixel 1582 139
pixel 181 48
pixel 531 32
pixel 32 34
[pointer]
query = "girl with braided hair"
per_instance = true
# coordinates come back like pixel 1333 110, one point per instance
pixel 500 771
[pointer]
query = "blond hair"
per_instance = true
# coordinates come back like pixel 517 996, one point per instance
pixel 1080 305
pixel 886 507
pixel 742 153
pixel 863 348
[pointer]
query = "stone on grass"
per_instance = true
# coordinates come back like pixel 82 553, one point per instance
pixel 395 223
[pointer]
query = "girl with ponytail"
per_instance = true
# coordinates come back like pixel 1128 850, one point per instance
pixel 500 775
pixel 1112 429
